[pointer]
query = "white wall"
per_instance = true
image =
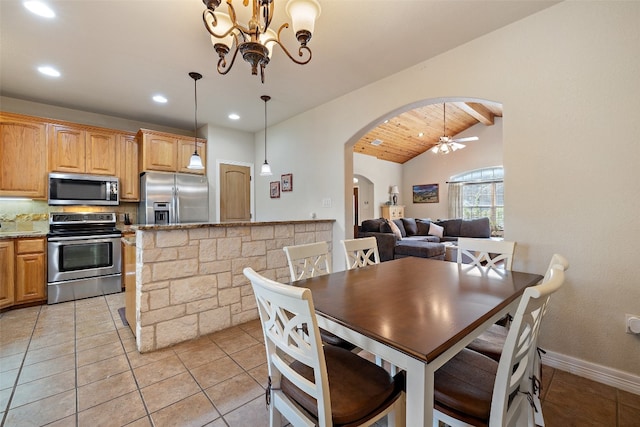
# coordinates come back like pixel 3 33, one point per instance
pixel 568 80
pixel 226 146
pixel 429 168
pixel 382 174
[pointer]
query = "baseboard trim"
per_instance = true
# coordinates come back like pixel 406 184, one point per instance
pixel 602 374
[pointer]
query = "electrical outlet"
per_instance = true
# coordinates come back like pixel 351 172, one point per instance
pixel 632 323
pixel 326 203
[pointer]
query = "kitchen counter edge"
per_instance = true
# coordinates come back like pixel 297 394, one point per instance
pixel 224 224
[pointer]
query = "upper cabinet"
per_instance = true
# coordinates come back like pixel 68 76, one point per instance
pixel 128 168
pixel 160 151
pixel 23 159
pixel 80 150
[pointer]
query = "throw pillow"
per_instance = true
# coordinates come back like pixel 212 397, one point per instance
pixel 410 226
pixel 394 229
pixel 422 227
pixel 400 225
pixel 435 230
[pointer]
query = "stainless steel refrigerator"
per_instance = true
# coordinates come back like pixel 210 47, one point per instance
pixel 173 198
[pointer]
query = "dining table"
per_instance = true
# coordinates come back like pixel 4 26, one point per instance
pixel 416 314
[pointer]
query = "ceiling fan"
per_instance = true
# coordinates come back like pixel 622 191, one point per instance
pixel 446 144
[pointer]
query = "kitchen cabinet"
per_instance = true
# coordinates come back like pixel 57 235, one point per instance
pixel 77 149
pixel 7 281
pixel 185 151
pixel 128 171
pixel 30 270
pixel 392 211
pixel 167 152
pixel 129 279
pixel 23 140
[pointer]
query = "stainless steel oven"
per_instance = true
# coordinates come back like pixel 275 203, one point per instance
pixel 84 256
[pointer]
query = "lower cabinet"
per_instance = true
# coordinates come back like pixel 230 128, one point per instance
pixel 129 280
pixel 30 270
pixel 7 277
pixel 23 270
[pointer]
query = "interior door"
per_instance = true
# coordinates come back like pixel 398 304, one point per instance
pixel 235 193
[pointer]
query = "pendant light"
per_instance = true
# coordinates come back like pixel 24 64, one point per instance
pixel 266 169
pixel 196 161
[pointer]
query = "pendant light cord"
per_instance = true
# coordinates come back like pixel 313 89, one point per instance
pixel 265 98
pixel 195 130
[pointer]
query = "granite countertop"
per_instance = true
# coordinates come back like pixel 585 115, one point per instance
pixel 21 234
pixel 147 227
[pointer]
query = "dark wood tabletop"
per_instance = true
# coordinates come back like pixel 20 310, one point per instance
pixel 416 305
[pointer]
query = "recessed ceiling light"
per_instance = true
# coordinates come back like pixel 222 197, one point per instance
pixel 49 71
pixel 234 116
pixel 421 134
pixel 39 9
pixel 160 99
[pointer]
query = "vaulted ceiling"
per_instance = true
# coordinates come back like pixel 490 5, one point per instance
pixel 115 55
pixel 412 133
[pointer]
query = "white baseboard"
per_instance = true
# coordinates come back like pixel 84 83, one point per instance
pixel 602 374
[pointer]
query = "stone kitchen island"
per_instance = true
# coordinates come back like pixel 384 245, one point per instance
pixel 188 277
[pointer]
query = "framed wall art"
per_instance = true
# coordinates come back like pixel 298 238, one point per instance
pixel 425 193
pixel 287 182
pixel 274 189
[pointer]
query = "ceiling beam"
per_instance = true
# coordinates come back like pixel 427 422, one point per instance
pixel 477 111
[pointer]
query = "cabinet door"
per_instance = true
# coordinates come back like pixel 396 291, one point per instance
pixel 128 168
pixel 31 280
pixel 185 150
pixel 101 153
pixel 6 273
pixel 23 141
pixel 159 153
pixel 66 149
pixel 30 277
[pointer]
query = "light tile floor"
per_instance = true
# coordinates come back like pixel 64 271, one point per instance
pixel 75 364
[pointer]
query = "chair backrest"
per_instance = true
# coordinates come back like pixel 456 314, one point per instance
pixel 486 252
pixel 308 260
pixel 290 332
pixel 361 252
pixel 510 404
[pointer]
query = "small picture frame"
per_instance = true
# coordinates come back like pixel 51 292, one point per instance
pixel 426 193
pixel 274 189
pixel 287 182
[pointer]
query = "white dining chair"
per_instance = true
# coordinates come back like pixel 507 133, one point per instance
pixel 491 342
pixel 311 260
pixel 311 384
pixel 360 252
pixel 474 390
pixel 485 252
pixel 308 260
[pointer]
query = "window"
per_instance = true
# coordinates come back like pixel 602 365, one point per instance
pixel 479 193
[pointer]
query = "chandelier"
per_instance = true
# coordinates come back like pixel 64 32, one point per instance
pixel 255 41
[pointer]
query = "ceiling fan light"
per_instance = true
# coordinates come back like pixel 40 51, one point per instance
pixel 303 14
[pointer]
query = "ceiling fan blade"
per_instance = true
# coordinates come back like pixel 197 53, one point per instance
pixel 467 139
pixel 456 146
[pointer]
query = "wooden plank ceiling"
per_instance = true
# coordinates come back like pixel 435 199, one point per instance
pixel 414 132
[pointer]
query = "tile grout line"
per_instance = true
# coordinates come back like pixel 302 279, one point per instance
pixel 15 384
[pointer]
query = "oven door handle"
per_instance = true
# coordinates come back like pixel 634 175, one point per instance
pixel 98 238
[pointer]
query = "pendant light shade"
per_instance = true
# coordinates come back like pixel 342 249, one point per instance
pixel 195 162
pixel 266 169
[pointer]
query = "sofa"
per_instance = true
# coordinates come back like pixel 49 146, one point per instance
pixel 420 237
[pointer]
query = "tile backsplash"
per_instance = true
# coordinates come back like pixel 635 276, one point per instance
pixel 33 215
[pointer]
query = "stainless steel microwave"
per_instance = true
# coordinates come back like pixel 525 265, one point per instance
pixel 77 189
